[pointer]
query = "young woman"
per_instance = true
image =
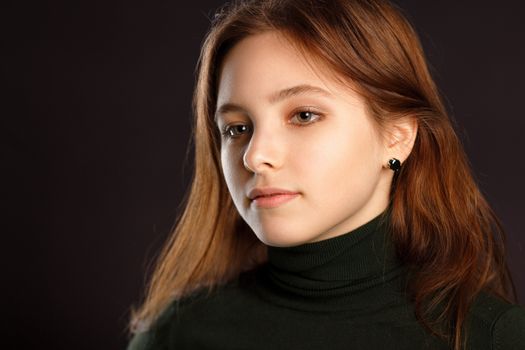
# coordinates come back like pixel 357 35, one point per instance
pixel 332 206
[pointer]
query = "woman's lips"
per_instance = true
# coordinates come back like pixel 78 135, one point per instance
pixel 273 201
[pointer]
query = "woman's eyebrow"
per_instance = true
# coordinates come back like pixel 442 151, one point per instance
pixel 297 90
pixel 276 97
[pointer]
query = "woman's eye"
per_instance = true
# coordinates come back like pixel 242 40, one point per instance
pixel 235 130
pixel 305 117
pixel 300 118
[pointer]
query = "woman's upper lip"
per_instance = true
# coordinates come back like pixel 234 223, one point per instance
pixel 268 191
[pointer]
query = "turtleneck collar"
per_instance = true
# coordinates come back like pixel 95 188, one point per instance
pixel 338 266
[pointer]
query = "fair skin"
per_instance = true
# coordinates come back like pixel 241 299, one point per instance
pixel 319 144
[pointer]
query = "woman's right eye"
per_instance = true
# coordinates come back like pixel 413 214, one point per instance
pixel 232 131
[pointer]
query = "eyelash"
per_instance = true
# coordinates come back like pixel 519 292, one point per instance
pixel 226 132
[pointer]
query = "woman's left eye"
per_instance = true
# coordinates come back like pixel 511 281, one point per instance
pixel 305 117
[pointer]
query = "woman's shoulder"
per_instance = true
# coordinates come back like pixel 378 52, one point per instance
pixel 186 311
pixel 498 319
pixel 157 335
pixel 154 336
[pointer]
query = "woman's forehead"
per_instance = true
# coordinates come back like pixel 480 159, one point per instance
pixel 267 62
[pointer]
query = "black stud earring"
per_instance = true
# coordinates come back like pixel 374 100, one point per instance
pixel 394 164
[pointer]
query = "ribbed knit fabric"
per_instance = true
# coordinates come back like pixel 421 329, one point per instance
pixel 328 275
pixel 346 292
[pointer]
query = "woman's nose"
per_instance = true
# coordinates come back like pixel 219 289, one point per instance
pixel 264 152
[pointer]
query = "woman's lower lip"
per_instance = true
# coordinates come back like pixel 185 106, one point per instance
pixel 274 200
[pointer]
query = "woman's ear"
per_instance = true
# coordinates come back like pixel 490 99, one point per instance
pixel 400 137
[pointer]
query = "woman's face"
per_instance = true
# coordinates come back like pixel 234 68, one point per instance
pixel 289 128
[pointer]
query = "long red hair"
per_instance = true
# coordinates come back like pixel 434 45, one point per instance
pixel 442 226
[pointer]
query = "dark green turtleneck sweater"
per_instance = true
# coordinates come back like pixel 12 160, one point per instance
pixel 346 292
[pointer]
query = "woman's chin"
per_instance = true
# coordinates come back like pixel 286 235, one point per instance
pixel 280 239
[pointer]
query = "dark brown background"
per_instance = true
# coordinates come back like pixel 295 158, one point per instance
pixel 95 126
